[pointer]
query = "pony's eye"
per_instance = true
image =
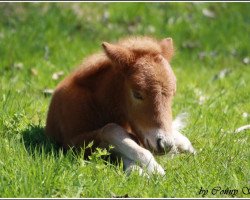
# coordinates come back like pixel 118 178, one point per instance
pixel 137 95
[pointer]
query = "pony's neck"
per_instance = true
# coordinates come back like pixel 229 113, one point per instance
pixel 113 94
pixel 114 88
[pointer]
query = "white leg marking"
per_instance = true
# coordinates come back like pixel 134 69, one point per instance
pixel 127 148
pixel 182 143
pixel 130 166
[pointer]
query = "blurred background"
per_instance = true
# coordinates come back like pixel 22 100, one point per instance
pixel 65 32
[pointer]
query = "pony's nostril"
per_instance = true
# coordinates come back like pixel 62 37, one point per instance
pixel 163 145
pixel 160 144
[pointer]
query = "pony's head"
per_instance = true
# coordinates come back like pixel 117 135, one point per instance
pixel 149 87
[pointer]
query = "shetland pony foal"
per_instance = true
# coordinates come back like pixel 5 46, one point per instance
pixel 121 97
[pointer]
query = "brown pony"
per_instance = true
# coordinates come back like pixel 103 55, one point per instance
pixel 121 97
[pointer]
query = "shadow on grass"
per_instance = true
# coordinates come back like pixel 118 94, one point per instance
pixel 36 141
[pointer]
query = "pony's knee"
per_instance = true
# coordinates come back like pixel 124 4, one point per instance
pixel 112 133
pixel 113 130
pixel 112 127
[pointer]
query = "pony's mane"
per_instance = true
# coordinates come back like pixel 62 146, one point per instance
pixel 141 44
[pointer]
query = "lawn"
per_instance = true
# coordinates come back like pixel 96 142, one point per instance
pixel 40 43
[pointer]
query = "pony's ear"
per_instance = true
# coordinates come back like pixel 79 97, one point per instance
pixel 167 47
pixel 118 54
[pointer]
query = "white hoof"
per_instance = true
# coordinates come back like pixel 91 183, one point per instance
pixel 182 143
pixel 154 168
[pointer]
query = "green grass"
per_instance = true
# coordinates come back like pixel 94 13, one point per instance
pixel 52 37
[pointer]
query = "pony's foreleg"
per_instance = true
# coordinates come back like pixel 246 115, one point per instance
pixel 182 143
pixel 124 146
pixel 128 149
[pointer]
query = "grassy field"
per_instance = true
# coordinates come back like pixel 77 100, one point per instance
pixel 38 40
